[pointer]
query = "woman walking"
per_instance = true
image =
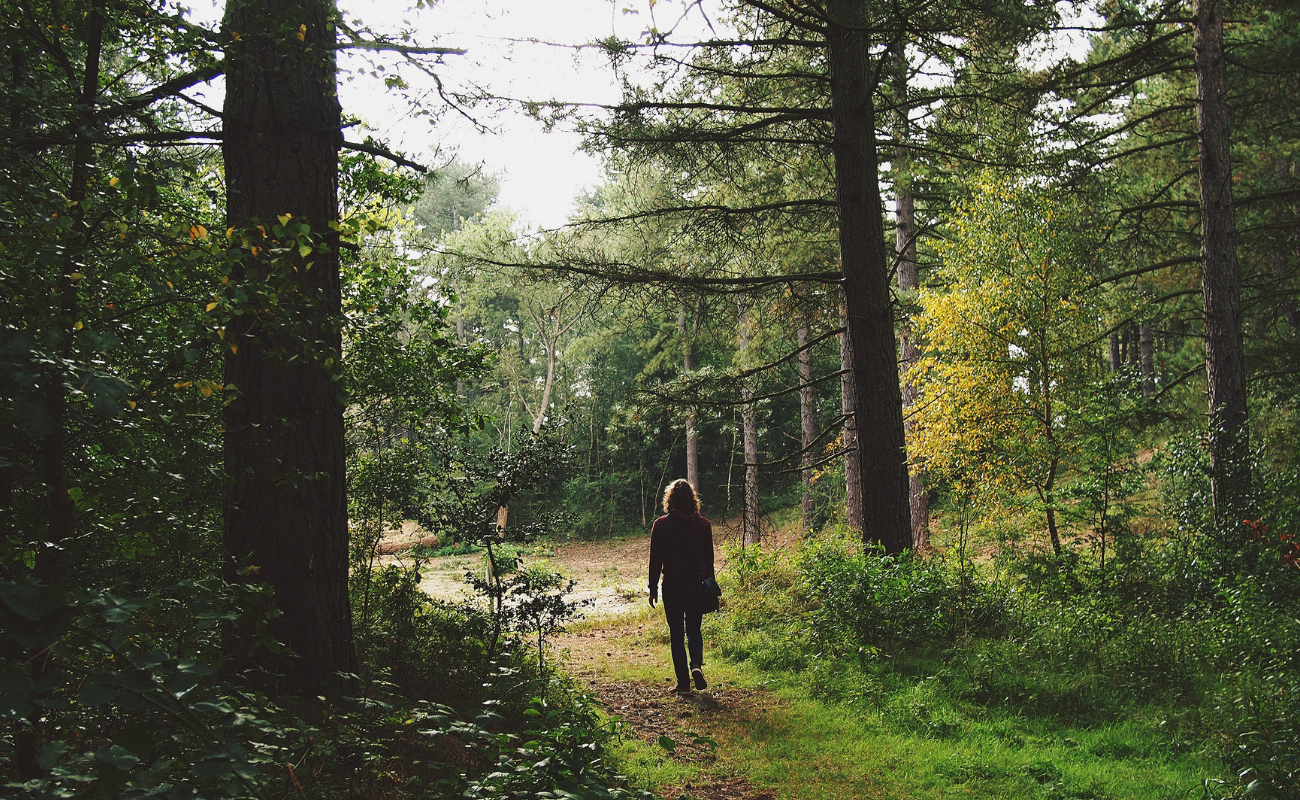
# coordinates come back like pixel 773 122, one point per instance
pixel 681 549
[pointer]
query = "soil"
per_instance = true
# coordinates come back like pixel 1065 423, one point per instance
pixel 610 573
pixel 696 722
pixel 611 577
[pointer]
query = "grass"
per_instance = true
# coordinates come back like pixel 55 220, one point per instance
pixel 808 748
pixel 900 730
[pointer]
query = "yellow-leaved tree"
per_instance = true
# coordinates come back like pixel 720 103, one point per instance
pixel 1011 336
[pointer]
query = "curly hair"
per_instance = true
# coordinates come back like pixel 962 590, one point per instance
pixel 680 496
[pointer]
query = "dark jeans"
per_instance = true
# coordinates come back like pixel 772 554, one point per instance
pixel 681 604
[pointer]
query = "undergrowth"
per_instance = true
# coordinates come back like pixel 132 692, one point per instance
pixel 1192 676
pixel 127 697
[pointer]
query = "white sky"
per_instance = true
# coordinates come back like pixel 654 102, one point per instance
pixel 510 54
pixel 541 172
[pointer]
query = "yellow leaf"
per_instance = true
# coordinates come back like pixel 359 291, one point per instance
pixel 78 326
pixel 198 232
pixel 210 307
pixel 229 231
pixel 302 33
pixel 304 250
pixel 76 276
pixel 206 391
pixel 234 348
pixel 284 218
pixel 113 181
pixel 131 404
pixel 234 35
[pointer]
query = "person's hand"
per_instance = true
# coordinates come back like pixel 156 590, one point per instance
pixel 653 599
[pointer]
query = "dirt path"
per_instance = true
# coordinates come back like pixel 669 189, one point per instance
pixel 621 661
pixel 620 653
pixel 610 573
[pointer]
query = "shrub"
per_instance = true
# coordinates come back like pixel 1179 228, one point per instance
pixel 860 597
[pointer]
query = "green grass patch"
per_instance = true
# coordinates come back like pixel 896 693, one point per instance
pixel 906 738
pixel 1066 704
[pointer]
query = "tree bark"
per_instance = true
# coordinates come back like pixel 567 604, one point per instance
pixel 692 426
pixel 908 281
pixel 1114 353
pixel 866 278
pixel 1147 346
pixel 551 327
pixel 61 510
pixel 750 518
pixel 547 388
pixel 1220 283
pixel 286 510
pixel 807 422
pixel 53 444
pixel 849 407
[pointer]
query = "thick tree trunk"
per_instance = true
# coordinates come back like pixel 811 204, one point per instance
pixel 1114 353
pixel 849 407
pixel 286 509
pixel 807 422
pixel 866 279
pixel 750 518
pixel 908 281
pixel 692 427
pixel 1220 283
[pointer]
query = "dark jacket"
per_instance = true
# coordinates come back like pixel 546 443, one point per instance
pixel 681 548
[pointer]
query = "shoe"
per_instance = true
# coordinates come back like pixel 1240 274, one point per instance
pixel 698 675
pixel 680 689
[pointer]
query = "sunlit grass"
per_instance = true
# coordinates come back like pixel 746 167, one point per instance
pixel 903 729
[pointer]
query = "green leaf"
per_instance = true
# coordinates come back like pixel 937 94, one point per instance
pixel 667 744
pixel 22 599
pixel 118 757
pixel 50 754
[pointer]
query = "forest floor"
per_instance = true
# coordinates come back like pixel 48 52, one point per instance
pixel 680 747
pixel 763 735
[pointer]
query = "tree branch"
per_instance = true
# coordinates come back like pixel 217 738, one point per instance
pixel 376 150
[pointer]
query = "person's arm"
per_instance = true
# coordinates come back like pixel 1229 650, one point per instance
pixel 656 560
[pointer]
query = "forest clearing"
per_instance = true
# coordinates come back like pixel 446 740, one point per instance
pixel 335 461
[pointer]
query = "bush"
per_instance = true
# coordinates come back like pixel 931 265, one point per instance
pixel 148 698
pixel 761 611
pixel 862 598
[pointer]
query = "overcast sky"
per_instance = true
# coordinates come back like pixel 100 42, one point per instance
pixel 541 173
pixel 522 49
